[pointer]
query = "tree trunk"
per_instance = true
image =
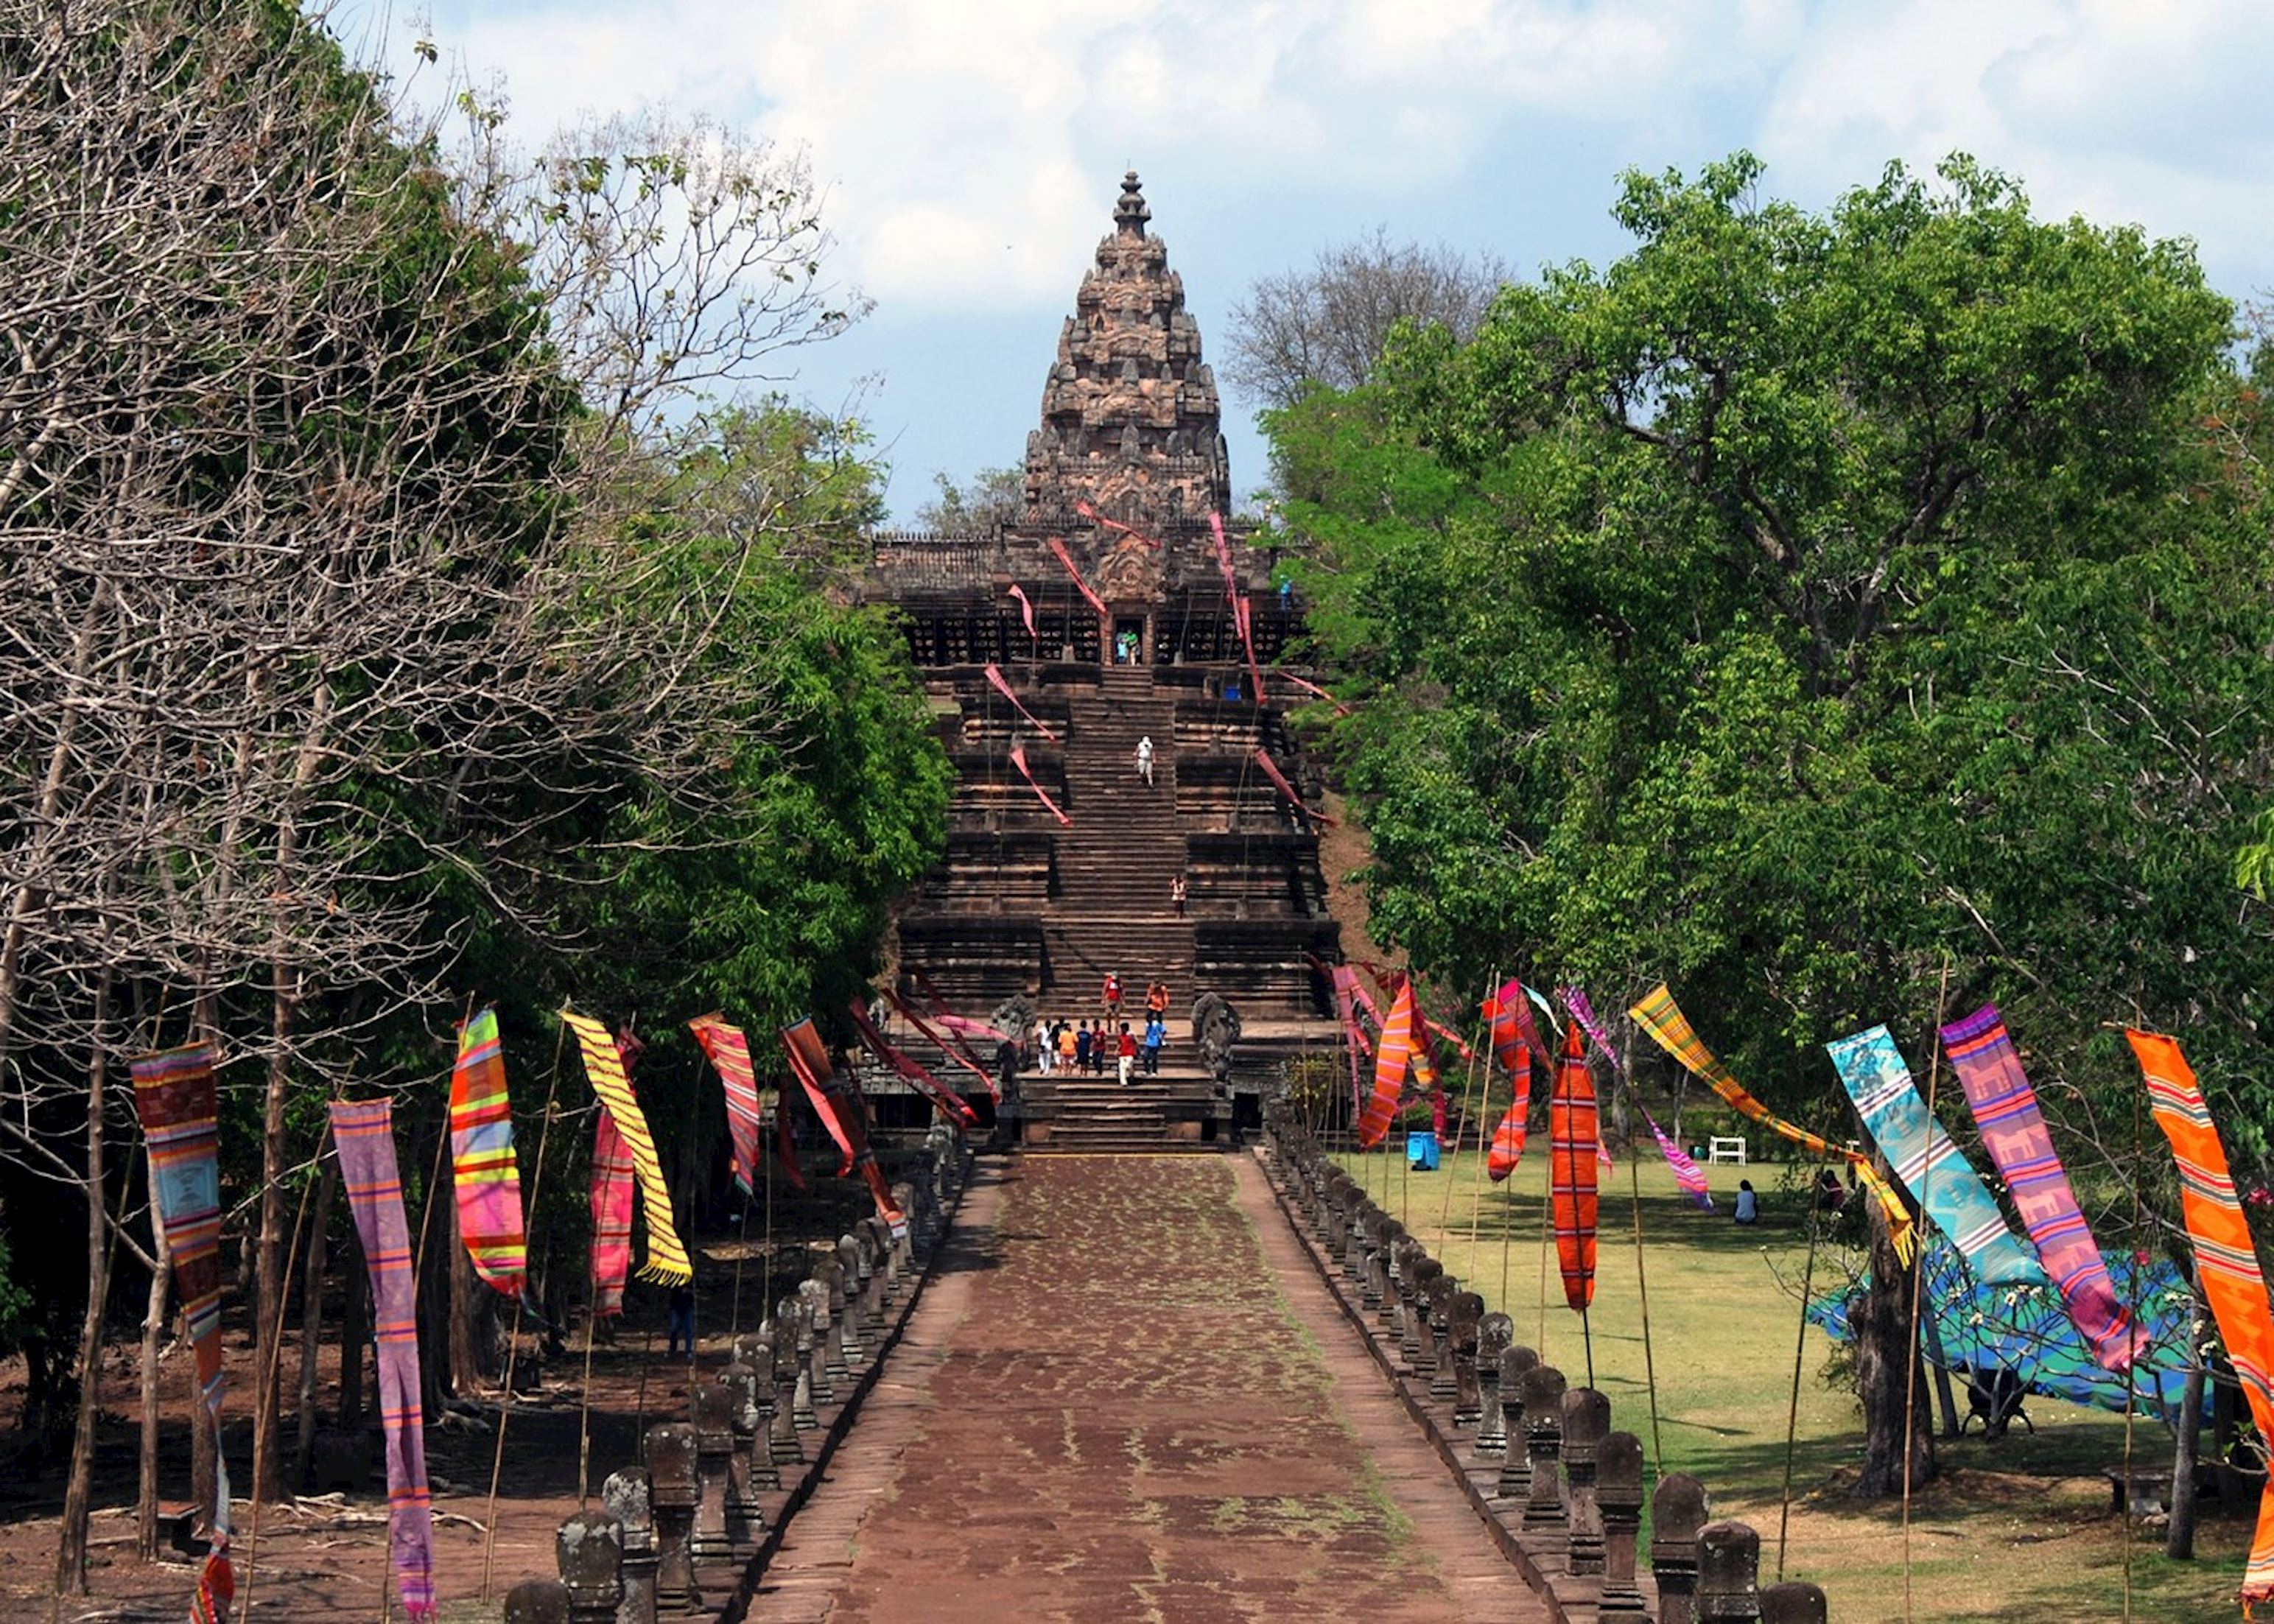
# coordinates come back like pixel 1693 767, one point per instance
pixel 355 1332
pixel 2179 1537
pixel 205 1442
pixel 312 1318
pixel 70 1559
pixel 153 1326
pixel 1884 1377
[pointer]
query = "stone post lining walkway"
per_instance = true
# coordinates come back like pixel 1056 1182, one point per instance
pixel 1127 1397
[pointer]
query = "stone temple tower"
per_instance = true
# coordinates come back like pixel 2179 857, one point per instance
pixel 1131 423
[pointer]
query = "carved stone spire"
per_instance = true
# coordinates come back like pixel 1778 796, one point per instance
pixel 1131 422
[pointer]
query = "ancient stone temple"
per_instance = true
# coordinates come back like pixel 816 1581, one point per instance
pixel 1110 611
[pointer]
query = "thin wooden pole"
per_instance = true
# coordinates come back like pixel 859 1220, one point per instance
pixel 513 1336
pixel 1460 1128
pixel 1642 1289
pixel 2131 1384
pixel 1792 1412
pixel 1918 1275
pixel 275 1355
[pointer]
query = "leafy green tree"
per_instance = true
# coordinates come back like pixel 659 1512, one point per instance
pixel 1806 603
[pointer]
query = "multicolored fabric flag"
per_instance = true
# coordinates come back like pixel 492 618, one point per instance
pixel 1573 1136
pixel 1392 1054
pixel 730 1056
pixel 1932 1168
pixel 911 1070
pixel 1057 546
pixel 1026 610
pixel 666 1259
pixel 1019 760
pixel 1508 1138
pixel 1669 1028
pixel 179 1110
pixel 216 1587
pixel 1272 771
pixel 1509 1013
pixel 2226 1259
pixel 1002 686
pixel 1687 1175
pixel 840 1112
pixel 613 1179
pixel 2014 1131
pixel 482 1163
pixel 364 1132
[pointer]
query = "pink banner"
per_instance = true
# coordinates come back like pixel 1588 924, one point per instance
pixel 1312 688
pixel 1271 770
pixel 1224 558
pixel 946 1044
pixel 911 1070
pixel 1243 615
pixel 1002 687
pixel 1026 610
pixel 1095 517
pixel 1058 547
pixel 1019 760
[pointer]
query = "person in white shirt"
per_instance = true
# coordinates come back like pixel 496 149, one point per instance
pixel 1145 759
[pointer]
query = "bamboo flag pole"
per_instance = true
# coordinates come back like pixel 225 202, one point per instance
pixel 1918 1277
pixel 1468 1092
pixel 513 1337
pixel 1792 1413
pixel 1642 1291
pixel 276 1353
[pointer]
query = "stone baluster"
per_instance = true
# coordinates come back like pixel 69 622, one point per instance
pixel 1618 1492
pixel 1359 1210
pixel 1516 1456
pixel 746 1518
pixel 1414 1344
pixel 1544 1511
pixel 1677 1512
pixel 1495 1334
pixel 786 1445
pixel 625 1495
pixel 1728 1571
pixel 675 1489
pixel 758 1354
pixel 1586 1422
pixel 1438 1291
pixel 537 1601
pixel 1795 1602
pixel 1463 1315
pixel 1375 1281
pixel 589 1549
pixel 711 1409
pixel 811 1378
pixel 830 1301
pixel 850 1340
pixel 876 1243
pixel 814 1289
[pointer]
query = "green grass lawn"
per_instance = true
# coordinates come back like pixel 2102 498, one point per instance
pixel 2017 1530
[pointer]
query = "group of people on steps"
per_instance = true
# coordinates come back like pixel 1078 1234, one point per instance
pixel 1082 1046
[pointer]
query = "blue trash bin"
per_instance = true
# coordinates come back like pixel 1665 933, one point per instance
pixel 1421 1151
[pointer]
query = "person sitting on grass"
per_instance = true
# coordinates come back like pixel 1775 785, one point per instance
pixel 1749 1205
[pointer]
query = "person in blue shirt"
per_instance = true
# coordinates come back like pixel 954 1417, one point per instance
pixel 1081 1047
pixel 1749 1205
pixel 1156 1033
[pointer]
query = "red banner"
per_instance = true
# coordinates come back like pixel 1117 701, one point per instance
pixel 1508 1138
pixel 1573 1140
pixel 1026 610
pixel 1243 615
pixel 911 1070
pixel 1391 1056
pixel 1059 546
pixel 1003 686
pixel 1272 771
pixel 809 1060
pixel 1223 558
pixel 947 1043
pixel 1312 688
pixel 1095 517
pixel 1019 760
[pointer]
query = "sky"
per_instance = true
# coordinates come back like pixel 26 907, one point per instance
pixel 972 150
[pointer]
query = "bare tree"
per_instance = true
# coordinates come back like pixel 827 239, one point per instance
pixel 1328 325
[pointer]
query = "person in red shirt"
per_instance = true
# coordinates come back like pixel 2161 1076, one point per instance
pixel 1128 1053
pixel 1112 996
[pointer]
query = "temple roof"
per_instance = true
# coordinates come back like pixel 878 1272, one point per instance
pixel 1131 423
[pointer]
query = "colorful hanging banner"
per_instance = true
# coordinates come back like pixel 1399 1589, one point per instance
pixel 1508 1138
pixel 666 1259
pixel 1026 610
pixel 364 1132
pixel 1357 1046
pixel 2014 1131
pixel 613 1182
pixel 842 1112
pixel 482 1164
pixel 1687 1174
pixel 1019 760
pixel 1057 546
pixel 1003 686
pixel 729 1049
pixel 1099 519
pixel 1393 1052
pixel 786 1144
pixel 176 1102
pixel 911 1070
pixel 1272 771
pixel 1224 558
pixel 946 1042
pixel 2226 1259
pixel 1573 1139
pixel 1932 1167
pixel 1669 1028
pixel 1511 1026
